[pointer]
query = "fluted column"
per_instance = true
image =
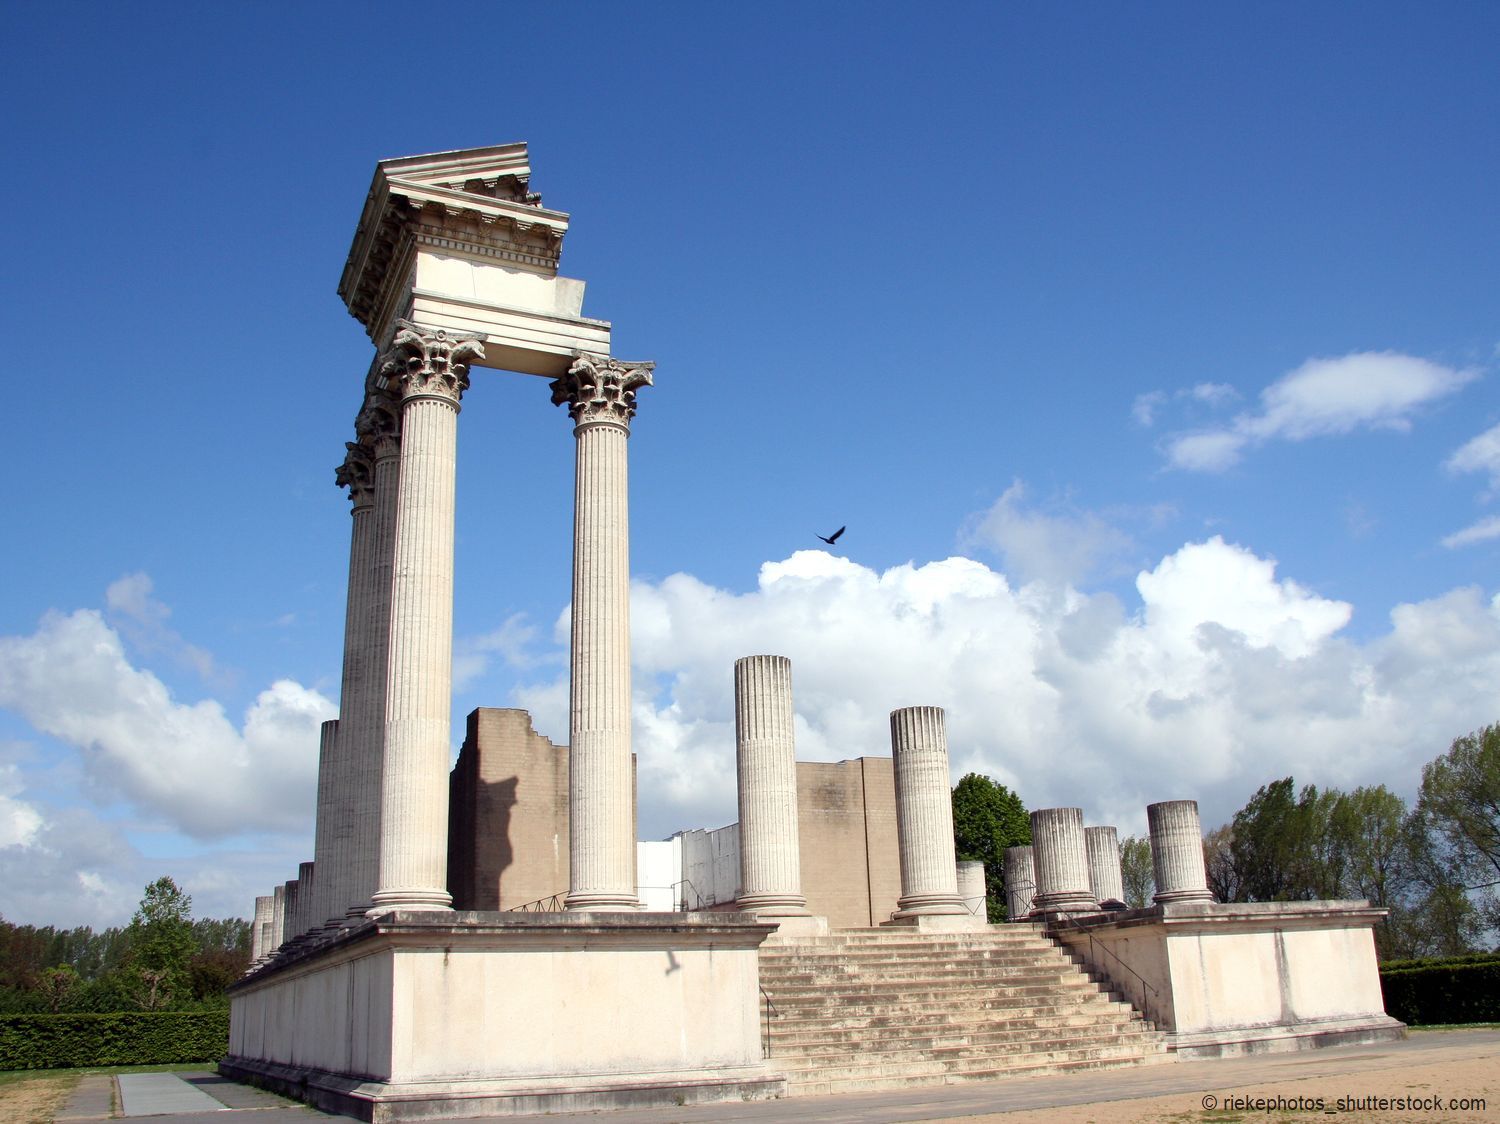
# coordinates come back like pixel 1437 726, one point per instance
pixel 1061 857
pixel 971 889
pixel 1020 883
pixel 291 902
pixel 260 933
pixel 765 756
pixel 432 372
pixel 278 919
pixel 924 814
pixel 1105 881
pixel 332 822
pixel 363 725
pixel 307 894
pixel 1177 852
pixel 600 396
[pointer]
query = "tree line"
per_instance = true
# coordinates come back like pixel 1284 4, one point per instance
pixel 1435 866
pixel 162 961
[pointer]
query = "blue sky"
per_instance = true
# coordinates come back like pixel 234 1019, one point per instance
pixel 1148 353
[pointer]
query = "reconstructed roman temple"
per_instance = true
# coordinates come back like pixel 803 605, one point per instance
pixel 494 940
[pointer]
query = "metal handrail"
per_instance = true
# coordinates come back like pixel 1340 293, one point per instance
pixel 1145 984
pixel 557 903
pixel 771 1013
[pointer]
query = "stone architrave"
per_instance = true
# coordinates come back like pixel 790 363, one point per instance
pixel 1105 880
pixel 431 370
pixel 1062 866
pixel 765 754
pixel 599 393
pixel 1020 882
pixel 260 932
pixel 924 815
pixel 1177 852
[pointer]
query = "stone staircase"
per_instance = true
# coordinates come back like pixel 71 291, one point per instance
pixel 889 1008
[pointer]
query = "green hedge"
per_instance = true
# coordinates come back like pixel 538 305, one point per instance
pixel 1465 989
pixel 119 1038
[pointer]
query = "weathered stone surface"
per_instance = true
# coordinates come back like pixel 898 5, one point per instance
pixel 1061 857
pixel 765 758
pixel 1105 879
pixel 1020 882
pixel 924 814
pixel 1177 852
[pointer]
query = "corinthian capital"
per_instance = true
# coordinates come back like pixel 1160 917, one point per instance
pixel 357 473
pixel 429 363
pixel 601 390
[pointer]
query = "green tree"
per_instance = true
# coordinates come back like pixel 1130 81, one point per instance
pixel 988 818
pixel 1137 873
pixel 1459 807
pixel 161 944
pixel 1281 845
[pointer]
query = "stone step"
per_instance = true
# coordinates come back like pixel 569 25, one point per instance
pixel 860 1028
pixel 891 1041
pixel 940 1059
pixel 813 1085
pixel 887 961
pixel 988 997
pixel 918 974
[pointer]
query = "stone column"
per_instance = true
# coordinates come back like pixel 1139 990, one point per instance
pixel 432 372
pixel 1020 883
pixel 924 815
pixel 289 917
pixel 1177 852
pixel 333 815
pixel 363 713
pixel 765 754
pixel 307 896
pixel 260 931
pixel 971 889
pixel 1062 866
pixel 1103 845
pixel 278 920
pixel 600 393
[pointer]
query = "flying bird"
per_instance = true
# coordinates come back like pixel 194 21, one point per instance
pixel 833 538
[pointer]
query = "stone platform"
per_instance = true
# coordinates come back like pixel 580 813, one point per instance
pixel 432 1015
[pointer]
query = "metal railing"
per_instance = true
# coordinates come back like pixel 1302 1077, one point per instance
pixel 1108 980
pixel 769 1008
pixel 557 903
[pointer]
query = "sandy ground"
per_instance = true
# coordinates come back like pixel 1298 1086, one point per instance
pixel 1450 1082
pixel 34 1100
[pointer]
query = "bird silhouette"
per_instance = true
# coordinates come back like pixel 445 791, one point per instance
pixel 833 538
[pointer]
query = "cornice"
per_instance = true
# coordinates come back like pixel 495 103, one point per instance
pixel 475 202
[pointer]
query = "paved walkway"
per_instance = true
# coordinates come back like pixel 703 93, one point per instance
pixel 944 1103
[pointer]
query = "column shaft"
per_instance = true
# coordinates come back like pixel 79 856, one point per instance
pixel 278 919
pixel 1020 883
pixel 414 796
pixel 1105 881
pixel 971 889
pixel 1061 857
pixel 765 756
pixel 333 817
pixel 601 823
pixel 924 814
pixel 1177 852
pixel 365 729
pixel 260 932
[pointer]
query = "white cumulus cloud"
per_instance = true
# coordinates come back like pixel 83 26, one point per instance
pixel 1324 397
pixel 1479 454
pixel 185 762
pixel 1061 545
pixel 1224 676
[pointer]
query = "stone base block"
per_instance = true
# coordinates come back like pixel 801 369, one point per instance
pixel 939 922
pixel 1286 1039
pixel 381 1102
pixel 443 1015
pixel 795 928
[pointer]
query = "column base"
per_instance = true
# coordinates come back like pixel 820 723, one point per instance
pixel 600 902
pixel 410 901
pixel 793 928
pixel 1183 896
pixel 1066 902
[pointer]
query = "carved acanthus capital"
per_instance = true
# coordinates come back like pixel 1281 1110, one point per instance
pixel 357 473
pixel 423 362
pixel 601 390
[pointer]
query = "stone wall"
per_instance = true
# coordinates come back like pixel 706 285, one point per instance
pixel 846 819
